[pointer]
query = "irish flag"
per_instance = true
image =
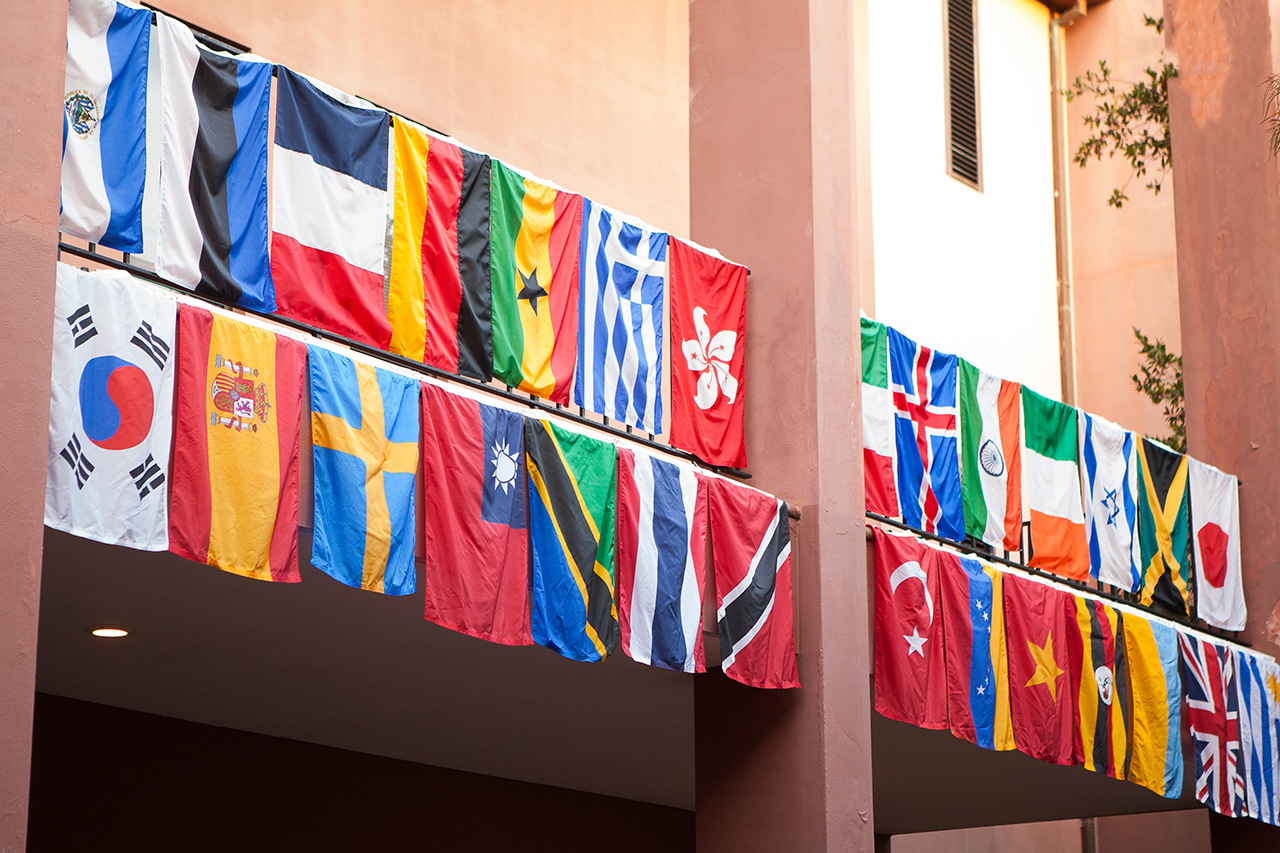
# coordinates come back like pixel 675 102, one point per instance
pixel 1051 433
pixel 877 422
pixel 990 461
pixel 533 246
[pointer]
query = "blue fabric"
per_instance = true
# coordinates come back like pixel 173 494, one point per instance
pixel 124 127
pixel 671 535
pixel 982 674
pixel 349 140
pixel 503 447
pixel 247 188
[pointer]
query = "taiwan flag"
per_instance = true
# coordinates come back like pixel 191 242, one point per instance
pixel 910 673
pixel 476 510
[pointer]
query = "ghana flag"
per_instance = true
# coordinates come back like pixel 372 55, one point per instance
pixel 533 249
pixel 571 521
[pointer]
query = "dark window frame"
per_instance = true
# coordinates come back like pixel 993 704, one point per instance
pixel 960 88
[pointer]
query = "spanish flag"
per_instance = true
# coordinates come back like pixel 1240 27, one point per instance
pixel 235 458
pixel 534 249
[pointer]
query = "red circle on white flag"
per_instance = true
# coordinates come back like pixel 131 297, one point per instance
pixel 1213 554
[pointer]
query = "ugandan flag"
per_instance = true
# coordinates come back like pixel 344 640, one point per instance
pixel 1100 683
pixel 533 250
pixel 571 529
pixel 1163 527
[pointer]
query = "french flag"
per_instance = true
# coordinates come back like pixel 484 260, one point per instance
pixel 662 541
pixel 330 211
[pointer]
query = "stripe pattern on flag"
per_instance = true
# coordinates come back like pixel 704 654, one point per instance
pixel 1110 479
pixel 1208 671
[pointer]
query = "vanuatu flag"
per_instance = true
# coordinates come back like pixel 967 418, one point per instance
pixel 1163 526
pixel 1100 684
pixel 235 452
pixel 533 247
pixel 571 506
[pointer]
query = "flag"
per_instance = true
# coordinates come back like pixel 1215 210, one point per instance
pixel 1036 616
pixel 438 299
pixel 1258 684
pixel 110 409
pixel 1058 541
pixel 622 285
pixel 476 539
pixel 104 129
pixel 330 211
pixel 751 559
pixel 213 171
pixel 878 455
pixel 1163 531
pixel 990 458
pixel 976 654
pixel 709 325
pixel 1208 676
pixel 1100 686
pixel 1110 483
pixel 364 439
pixel 662 543
pixel 924 402
pixel 533 252
pixel 237 424
pixel 1155 693
pixel 571 537
pixel 1215 538
pixel 910 670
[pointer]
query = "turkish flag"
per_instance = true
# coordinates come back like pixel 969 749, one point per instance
pixel 911 678
pixel 1035 618
pixel 708 329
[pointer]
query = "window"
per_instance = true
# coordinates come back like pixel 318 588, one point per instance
pixel 964 137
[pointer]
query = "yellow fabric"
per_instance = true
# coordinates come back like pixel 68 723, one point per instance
pixel 244 447
pixel 533 263
pixel 1047 669
pixel 406 302
pixel 1002 734
pixel 1166 517
pixel 1149 697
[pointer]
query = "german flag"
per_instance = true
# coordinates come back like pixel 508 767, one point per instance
pixel 1163 527
pixel 571 522
pixel 534 250
pixel 1100 683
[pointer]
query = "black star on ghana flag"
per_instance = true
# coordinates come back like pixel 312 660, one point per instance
pixel 531 290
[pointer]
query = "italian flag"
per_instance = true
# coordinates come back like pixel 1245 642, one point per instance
pixel 877 422
pixel 1051 433
pixel 990 461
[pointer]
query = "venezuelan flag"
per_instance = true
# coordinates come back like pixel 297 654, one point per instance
pixel 1155 686
pixel 534 248
pixel 977 663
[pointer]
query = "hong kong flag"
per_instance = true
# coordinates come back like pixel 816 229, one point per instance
pixel 708 325
pixel 911 678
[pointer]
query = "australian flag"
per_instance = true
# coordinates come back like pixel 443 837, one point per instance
pixel 923 386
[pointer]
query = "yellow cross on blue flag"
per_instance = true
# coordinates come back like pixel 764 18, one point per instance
pixel 364 433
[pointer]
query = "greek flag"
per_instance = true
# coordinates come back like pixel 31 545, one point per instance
pixel 622 280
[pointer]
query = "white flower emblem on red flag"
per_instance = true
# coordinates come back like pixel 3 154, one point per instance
pixel 710 356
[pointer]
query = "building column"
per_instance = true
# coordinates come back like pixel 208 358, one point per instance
pixel 32 53
pixel 778 181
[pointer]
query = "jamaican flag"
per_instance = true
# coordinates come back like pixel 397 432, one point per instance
pixel 533 254
pixel 1163 526
pixel 571 499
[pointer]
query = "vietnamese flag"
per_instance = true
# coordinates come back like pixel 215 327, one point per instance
pixel 910 676
pixel 237 421
pixel 1036 618
pixel 476 541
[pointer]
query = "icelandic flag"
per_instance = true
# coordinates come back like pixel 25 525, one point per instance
pixel 1258 682
pixel 213 171
pixel 662 540
pixel 104 129
pixel 330 211
pixel 923 383
pixel 623 280
pixel 1110 474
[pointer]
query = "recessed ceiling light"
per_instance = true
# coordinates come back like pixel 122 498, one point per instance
pixel 108 631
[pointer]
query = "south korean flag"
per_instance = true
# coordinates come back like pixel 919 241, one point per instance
pixel 111 409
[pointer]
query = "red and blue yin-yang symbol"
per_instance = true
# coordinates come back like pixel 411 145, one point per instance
pixel 116 403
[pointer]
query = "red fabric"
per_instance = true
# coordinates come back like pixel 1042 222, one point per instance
pixel 291 361
pixel 191 502
pixel 1040 698
pixel 701 281
pixel 881 493
pixel 321 289
pixel 441 280
pixel 564 249
pixel 476 574
pixel 910 670
pixel 742 524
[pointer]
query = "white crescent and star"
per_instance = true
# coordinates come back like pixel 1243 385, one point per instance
pixel 907 571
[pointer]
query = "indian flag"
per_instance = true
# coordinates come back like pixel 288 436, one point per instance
pixel 990 461
pixel 1051 433
pixel 533 246
pixel 879 476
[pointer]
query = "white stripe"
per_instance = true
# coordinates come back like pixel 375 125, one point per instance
pixel 785 553
pixel 995 490
pixel 328 210
pixel 86 212
pixel 1053 487
pixel 1117 544
pixel 732 595
pixel 690 600
pixel 644 592
pixel 180 240
pixel 590 302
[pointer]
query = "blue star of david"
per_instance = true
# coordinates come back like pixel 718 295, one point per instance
pixel 1112 505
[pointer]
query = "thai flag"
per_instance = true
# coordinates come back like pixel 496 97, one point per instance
pixel 662 540
pixel 104 128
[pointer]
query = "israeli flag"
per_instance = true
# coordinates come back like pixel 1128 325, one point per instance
pixel 622 279
pixel 1110 480
pixel 104 128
